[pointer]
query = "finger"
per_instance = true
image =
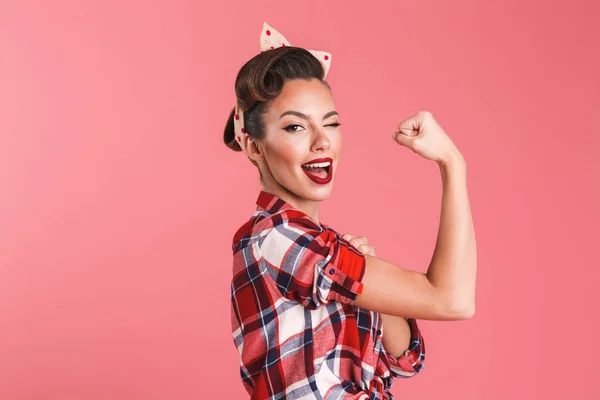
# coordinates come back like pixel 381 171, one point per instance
pixel 402 139
pixel 363 247
pixel 372 250
pixel 412 125
pixel 366 249
pixel 358 241
pixel 347 236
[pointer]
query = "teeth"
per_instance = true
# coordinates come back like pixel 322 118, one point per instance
pixel 317 165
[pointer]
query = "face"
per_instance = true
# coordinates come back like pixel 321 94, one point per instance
pixel 292 140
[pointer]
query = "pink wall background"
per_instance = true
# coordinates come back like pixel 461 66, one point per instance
pixel 119 201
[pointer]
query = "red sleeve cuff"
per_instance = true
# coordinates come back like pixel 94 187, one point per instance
pixel 346 270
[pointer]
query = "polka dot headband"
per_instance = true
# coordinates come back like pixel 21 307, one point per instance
pixel 269 40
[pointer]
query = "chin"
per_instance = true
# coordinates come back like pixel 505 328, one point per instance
pixel 302 187
pixel 319 193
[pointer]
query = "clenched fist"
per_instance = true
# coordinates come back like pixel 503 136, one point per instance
pixel 360 243
pixel 423 135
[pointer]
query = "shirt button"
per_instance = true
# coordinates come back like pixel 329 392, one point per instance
pixel 331 271
pixel 378 332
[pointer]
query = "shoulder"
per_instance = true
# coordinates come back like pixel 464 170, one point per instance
pixel 261 223
pixel 283 227
pixel 292 233
pixel 244 235
pixel 291 219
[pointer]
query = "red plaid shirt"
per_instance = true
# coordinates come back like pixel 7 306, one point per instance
pixel 293 318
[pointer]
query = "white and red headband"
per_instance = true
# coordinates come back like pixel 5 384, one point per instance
pixel 269 40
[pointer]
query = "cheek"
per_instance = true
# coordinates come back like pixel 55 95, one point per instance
pixel 286 154
pixel 337 142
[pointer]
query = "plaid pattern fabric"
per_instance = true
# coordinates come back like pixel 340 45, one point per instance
pixel 293 318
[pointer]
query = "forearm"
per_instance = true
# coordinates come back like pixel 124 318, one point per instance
pixel 453 266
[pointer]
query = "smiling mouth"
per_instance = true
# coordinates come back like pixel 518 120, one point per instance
pixel 320 172
pixel 319 175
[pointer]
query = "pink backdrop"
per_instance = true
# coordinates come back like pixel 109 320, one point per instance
pixel 119 200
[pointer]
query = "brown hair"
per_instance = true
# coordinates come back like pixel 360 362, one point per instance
pixel 261 80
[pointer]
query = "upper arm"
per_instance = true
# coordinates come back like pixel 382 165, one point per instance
pixel 390 289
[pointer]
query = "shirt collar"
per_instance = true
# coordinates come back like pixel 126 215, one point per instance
pixel 269 202
pixel 272 204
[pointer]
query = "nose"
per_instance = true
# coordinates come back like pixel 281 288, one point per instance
pixel 320 141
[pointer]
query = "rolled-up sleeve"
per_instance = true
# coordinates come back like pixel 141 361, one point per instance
pixel 309 263
pixel 411 362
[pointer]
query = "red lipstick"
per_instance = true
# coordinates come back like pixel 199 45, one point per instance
pixel 317 179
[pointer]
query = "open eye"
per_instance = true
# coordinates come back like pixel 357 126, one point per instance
pixel 287 128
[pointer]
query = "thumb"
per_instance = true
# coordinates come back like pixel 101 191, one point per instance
pixel 402 138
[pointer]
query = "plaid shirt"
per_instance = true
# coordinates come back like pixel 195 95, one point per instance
pixel 293 318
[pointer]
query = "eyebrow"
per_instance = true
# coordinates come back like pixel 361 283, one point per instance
pixel 304 116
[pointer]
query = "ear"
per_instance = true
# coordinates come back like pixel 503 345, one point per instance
pixel 253 148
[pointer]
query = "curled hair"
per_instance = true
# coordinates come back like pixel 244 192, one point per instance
pixel 261 80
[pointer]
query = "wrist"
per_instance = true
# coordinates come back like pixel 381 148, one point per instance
pixel 452 160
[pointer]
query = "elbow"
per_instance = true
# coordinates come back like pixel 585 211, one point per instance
pixel 467 313
pixel 460 311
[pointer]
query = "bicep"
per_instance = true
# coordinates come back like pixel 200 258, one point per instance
pixel 393 290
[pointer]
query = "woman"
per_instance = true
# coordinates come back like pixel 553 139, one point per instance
pixel 310 306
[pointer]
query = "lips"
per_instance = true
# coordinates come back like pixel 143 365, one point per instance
pixel 319 160
pixel 315 178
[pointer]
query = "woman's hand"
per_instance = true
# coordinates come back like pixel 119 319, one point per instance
pixel 360 243
pixel 422 134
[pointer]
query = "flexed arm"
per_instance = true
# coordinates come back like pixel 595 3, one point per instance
pixel 447 290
